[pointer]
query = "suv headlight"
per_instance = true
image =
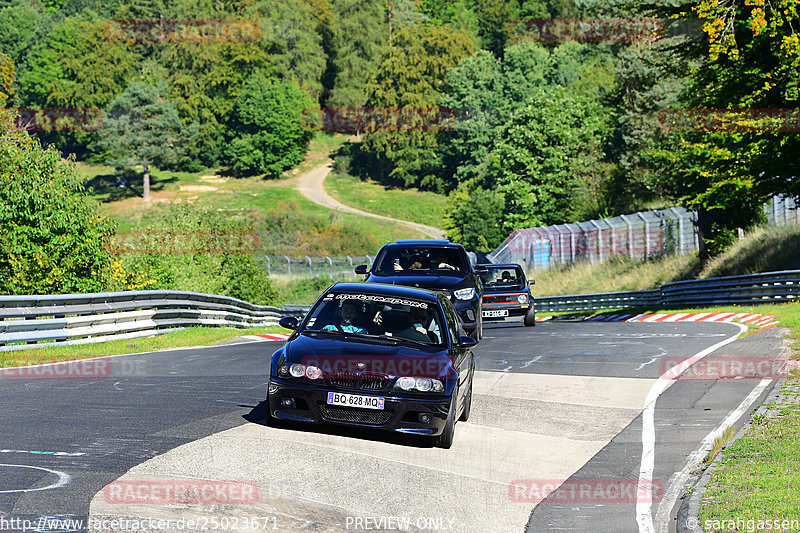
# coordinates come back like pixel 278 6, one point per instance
pixel 465 294
pixel 522 298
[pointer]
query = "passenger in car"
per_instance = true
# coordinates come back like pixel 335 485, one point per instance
pixel 443 261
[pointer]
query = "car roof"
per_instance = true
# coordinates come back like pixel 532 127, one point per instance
pixel 424 242
pixel 384 289
pixel 501 265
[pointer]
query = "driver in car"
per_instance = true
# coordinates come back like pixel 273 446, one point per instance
pixel 348 312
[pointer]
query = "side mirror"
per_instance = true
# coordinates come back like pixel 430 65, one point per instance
pixel 361 269
pixel 481 270
pixel 531 283
pixel 288 322
pixel 467 342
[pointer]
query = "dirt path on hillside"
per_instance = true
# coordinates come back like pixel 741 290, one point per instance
pixel 311 185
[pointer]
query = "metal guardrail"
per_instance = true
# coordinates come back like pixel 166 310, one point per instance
pixel 769 287
pixel 35 321
pixel 39 320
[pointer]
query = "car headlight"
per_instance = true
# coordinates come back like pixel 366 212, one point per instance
pixel 313 372
pixel 522 298
pixel 465 294
pixel 297 370
pixel 408 383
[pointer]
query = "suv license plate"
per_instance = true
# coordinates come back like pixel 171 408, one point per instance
pixel 497 312
pixel 355 400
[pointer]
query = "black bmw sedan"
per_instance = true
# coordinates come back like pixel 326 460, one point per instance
pixel 377 356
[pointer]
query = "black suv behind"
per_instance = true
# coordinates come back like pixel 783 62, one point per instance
pixel 433 264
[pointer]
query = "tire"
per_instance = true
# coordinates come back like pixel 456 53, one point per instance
pixel 467 401
pixel 445 439
pixel 530 317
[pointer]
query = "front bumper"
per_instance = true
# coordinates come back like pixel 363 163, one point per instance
pixel 400 414
pixel 468 312
pixel 514 309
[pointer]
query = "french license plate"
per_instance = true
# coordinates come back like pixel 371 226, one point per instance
pixel 496 312
pixel 355 400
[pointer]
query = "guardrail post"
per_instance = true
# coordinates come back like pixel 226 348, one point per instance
pixel 352 268
pixel 269 264
pixel 310 268
pixel 288 266
pixel 330 262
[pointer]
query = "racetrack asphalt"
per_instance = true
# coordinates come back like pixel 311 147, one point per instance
pixel 561 401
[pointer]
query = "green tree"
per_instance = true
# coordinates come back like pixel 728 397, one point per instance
pixel 6 79
pixel 476 91
pixel 289 36
pixel 474 218
pixel 197 256
pixel 484 91
pixel 204 80
pixel 17 24
pixel 142 127
pixel 749 59
pixel 409 78
pixel 269 129
pixel 54 241
pixel 360 33
pixel 547 149
pixel 75 67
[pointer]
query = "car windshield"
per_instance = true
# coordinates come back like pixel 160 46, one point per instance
pixel 377 316
pixel 420 260
pixel 503 276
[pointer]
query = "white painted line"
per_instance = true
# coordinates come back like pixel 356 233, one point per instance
pixel 672 494
pixel 644 516
pixel 35 452
pixel 63 479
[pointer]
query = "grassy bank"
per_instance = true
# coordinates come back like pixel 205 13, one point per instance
pixel 764 249
pixel 286 222
pixel 404 204
pixel 756 480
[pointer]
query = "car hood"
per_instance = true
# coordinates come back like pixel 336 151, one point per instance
pixel 504 290
pixel 425 282
pixel 335 355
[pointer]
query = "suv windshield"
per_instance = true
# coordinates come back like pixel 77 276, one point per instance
pixel 420 260
pixel 503 276
pixel 375 315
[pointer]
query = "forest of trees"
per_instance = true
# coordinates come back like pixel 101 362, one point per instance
pixel 546 131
